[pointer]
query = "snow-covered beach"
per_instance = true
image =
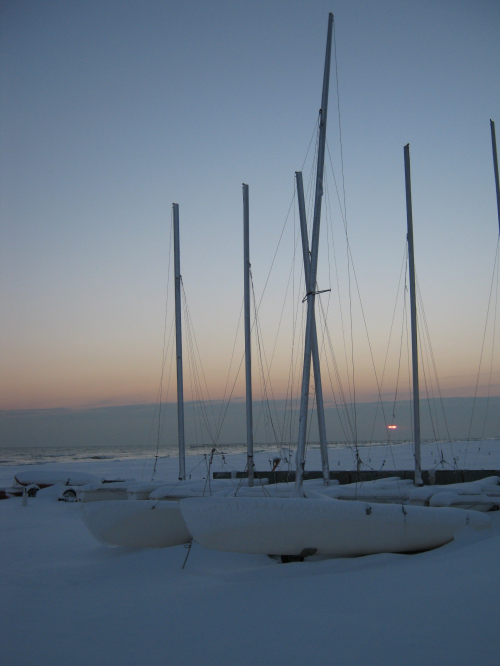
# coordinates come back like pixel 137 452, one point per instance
pixel 68 599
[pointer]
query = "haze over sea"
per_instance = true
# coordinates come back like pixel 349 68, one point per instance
pixel 35 436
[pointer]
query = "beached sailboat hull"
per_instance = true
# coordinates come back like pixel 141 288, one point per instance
pixel 326 527
pixel 145 524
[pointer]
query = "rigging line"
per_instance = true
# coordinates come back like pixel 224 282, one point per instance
pixel 311 187
pixel 197 354
pixel 314 132
pixel 291 367
pixel 175 485
pixel 491 361
pixel 349 259
pixel 352 343
pixel 403 266
pixel 337 375
pixel 410 388
pixel 335 183
pixel 218 427
pixel 427 390
pixel 482 349
pixel 196 374
pixel 232 391
pixel 194 389
pixel 492 355
pixel 425 359
pixel 338 283
pixel 159 402
pixel 405 316
pixel 290 279
pixel 322 347
pixel 276 251
pixel 365 325
pixel 329 230
pixel 344 402
pixel 311 419
pixel 231 394
pixel 161 424
pixel 434 366
pixel 282 309
pixel 262 355
pixel 290 379
pixel 294 359
pixel 340 125
pixel 169 379
pixel 403 323
pixel 160 389
pixel 193 381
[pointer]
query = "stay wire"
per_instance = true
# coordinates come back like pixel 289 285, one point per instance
pixel 495 268
pixel 423 318
pixel 402 270
pixel 482 349
pixel 160 389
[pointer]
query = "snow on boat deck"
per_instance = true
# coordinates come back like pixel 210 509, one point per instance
pixel 67 599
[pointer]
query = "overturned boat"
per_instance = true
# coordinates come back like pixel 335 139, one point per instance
pixel 145 524
pixel 335 528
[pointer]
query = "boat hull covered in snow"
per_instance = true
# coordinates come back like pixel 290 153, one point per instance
pixel 145 524
pixel 323 527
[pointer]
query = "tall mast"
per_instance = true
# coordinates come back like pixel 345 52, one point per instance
pixel 311 287
pixel 495 166
pixel 413 312
pixel 248 352
pixel 178 346
pixel 315 349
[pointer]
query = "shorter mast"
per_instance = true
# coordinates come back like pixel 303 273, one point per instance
pixel 248 352
pixel 315 349
pixel 178 346
pixel 495 166
pixel 413 311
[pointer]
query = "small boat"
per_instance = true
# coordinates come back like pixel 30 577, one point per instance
pixel 44 478
pixel 482 495
pixel 298 527
pixel 145 524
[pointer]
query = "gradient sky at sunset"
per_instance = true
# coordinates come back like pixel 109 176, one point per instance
pixel 113 110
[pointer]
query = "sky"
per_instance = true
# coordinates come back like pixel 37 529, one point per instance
pixel 111 111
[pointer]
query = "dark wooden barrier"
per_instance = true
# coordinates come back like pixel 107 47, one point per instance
pixel 436 477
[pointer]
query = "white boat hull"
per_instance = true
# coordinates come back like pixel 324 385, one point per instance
pixel 146 524
pixel 328 527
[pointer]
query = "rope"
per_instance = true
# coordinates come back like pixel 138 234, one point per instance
pixel 164 358
pixel 482 349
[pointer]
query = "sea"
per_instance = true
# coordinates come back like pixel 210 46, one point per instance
pixel 36 455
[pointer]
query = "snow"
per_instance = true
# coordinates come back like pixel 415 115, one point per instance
pixel 67 599
pixel 42 477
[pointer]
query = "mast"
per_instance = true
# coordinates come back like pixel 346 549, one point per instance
pixel 311 287
pixel 248 352
pixel 413 312
pixel 178 346
pixel 495 166
pixel 315 349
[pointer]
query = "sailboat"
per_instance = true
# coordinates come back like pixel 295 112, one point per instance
pixel 309 523
pixel 293 523
pixel 155 521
